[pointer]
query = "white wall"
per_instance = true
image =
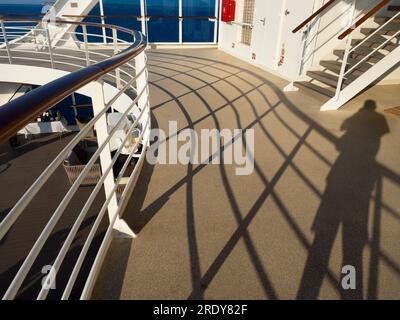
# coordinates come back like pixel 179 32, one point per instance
pixel 230 36
pixel 274 34
pixel 323 38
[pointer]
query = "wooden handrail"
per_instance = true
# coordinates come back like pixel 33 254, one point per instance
pixel 137 16
pixel 21 15
pixel 315 14
pixel 372 12
pixel 77 23
pixel 7 15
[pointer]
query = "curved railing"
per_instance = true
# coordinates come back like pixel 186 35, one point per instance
pixel 117 74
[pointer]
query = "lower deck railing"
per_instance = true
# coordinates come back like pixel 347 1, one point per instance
pixel 123 73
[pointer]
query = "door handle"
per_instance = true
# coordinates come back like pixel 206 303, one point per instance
pixel 263 21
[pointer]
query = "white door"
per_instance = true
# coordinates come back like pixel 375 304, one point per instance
pixel 291 47
pixel 265 35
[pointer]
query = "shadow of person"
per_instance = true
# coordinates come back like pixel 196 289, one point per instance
pixel 346 201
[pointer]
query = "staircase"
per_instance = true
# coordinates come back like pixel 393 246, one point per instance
pixel 60 33
pixel 366 60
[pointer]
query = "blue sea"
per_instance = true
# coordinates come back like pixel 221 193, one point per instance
pixel 159 30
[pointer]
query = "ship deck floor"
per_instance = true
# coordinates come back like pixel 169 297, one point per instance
pixel 324 193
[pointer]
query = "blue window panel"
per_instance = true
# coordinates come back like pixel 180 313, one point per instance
pixel 92 30
pixel 163 29
pixel 123 8
pixel 114 8
pixel 198 30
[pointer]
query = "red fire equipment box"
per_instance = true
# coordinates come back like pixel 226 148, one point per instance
pixel 228 10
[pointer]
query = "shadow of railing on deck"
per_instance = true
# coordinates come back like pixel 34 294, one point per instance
pixel 201 281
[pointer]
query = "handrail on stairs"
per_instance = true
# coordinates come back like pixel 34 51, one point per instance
pixel 314 15
pixel 363 19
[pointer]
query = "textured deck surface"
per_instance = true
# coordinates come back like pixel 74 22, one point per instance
pixel 325 193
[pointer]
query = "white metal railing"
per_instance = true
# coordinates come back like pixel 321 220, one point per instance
pixel 345 70
pixel 242 24
pixel 353 24
pixel 130 79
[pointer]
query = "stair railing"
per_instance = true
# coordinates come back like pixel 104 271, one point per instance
pixel 317 13
pixel 307 25
pixel 348 35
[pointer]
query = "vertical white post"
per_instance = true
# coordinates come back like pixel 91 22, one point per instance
pixel 143 16
pixel 105 156
pixel 141 81
pixel 216 22
pixel 142 84
pixel 346 52
pixel 6 41
pixel 85 39
pixel 103 21
pixel 180 22
pixel 35 39
pixel 49 44
pixel 303 47
pixel 106 160
pixel 117 71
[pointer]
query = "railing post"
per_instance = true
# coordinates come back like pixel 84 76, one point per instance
pixel 103 21
pixel 117 71
pixel 49 44
pixel 105 156
pixel 35 39
pixel 101 127
pixel 143 17
pixel 85 40
pixel 3 28
pixel 180 22
pixel 346 53
pixel 303 51
pixel 141 81
pixel 216 21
